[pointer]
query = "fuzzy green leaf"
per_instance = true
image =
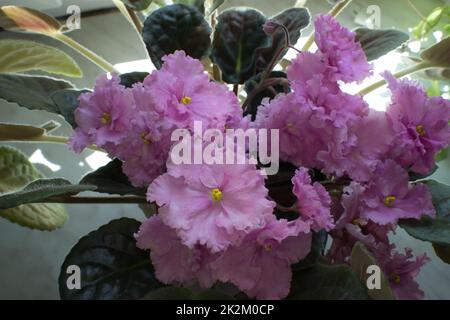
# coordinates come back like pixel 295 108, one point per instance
pixel 24 55
pixel 15 172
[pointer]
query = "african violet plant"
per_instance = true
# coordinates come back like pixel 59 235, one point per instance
pixel 348 176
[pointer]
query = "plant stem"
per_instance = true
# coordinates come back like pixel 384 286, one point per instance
pixel 287 209
pixel 123 9
pixel 287 43
pixel 105 65
pixel 333 12
pixel 236 89
pixel 57 139
pixel 54 139
pixel 92 200
pixel 338 7
pixel 414 68
pixel 129 14
pixel 136 21
pixel 308 42
pixel 262 86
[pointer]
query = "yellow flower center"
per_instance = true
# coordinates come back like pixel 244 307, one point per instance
pixel 420 130
pixel 359 222
pixel 216 194
pixel 389 200
pixel 144 138
pixel 396 278
pixel 106 118
pixel 186 100
pixel 268 247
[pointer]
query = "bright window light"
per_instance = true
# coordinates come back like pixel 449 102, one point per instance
pixel 137 65
pixel 414 46
pixel 438 35
pixel 97 159
pixel 38 157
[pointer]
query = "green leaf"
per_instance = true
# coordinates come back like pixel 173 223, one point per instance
pixel 361 259
pixel 111 179
pixel 446 29
pixel 149 209
pixel 41 93
pixel 128 79
pixel 176 27
pixel 32 92
pixel 24 55
pixel 294 19
pixel 255 100
pixel 318 243
pixel 435 75
pixel 66 101
pixel 39 190
pixel 15 172
pixel 442 155
pixel 22 19
pixel 434 90
pixel 437 55
pixel 435 230
pixel 111 265
pixel 377 43
pixel 426 25
pixel 280 185
pixel 327 282
pixel 443 252
pixel 237 38
pixel 413 176
pixel 138 5
pixel 19 132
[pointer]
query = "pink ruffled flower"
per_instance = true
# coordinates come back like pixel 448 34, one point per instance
pixel 389 196
pixel 352 227
pixel 361 157
pixel 421 124
pixel 340 49
pixel 183 93
pixel 316 120
pixel 174 262
pixel 328 135
pixel 283 114
pixel 144 149
pixel 311 83
pixel 212 205
pixel 261 265
pixel 103 116
pixel 401 271
pixel 305 67
pixel 314 202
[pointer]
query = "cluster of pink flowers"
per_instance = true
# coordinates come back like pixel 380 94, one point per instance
pixel 135 124
pixel 324 128
pixel 217 222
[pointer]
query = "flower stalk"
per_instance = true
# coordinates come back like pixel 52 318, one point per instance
pixel 102 63
pixel 129 14
pixel 94 200
pixel 53 139
pixel 412 69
